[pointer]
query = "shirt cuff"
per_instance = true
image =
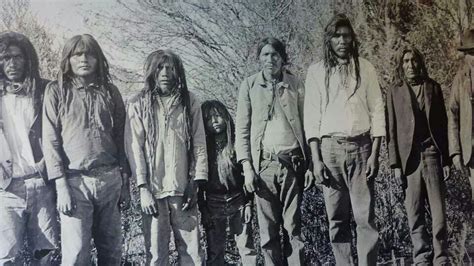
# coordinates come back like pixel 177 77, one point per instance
pixel 200 177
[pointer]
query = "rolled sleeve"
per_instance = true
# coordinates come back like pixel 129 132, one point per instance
pixel 199 168
pixel 134 141
pixel 375 104
pixel 243 123
pixel 52 143
pixel 312 104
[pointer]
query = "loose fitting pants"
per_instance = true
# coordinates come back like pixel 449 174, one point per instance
pixel 232 213
pixel 28 209
pixel 184 224
pixel 96 216
pixel 426 183
pixel 278 201
pixel 349 189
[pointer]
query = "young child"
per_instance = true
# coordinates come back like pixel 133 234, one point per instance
pixel 166 146
pixel 222 201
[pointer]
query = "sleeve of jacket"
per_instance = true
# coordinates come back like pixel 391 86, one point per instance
pixel 199 168
pixel 243 123
pixel 453 117
pixel 52 140
pixel 134 142
pixel 391 138
pixel 312 103
pixel 443 128
pixel 119 125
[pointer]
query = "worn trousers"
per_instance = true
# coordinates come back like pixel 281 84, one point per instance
pixel 28 209
pixel 185 226
pixel 348 189
pixel 278 201
pixel 426 183
pixel 231 213
pixel 96 216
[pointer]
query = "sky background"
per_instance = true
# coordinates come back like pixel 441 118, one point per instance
pixel 66 18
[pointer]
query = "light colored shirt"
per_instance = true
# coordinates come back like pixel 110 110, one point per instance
pixel 278 137
pixel 18 116
pixel 338 111
pixel 165 165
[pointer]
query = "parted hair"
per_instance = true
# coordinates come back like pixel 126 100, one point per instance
pixel 400 75
pixel 330 58
pixel 278 45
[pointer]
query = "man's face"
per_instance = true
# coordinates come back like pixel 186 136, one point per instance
pixel 341 42
pixel 270 60
pixel 411 66
pixel 165 77
pixel 83 64
pixel 14 62
pixel 215 122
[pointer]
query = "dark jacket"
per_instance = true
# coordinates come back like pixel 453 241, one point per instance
pixel 460 115
pixel 401 122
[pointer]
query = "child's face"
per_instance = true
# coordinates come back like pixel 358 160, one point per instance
pixel 215 122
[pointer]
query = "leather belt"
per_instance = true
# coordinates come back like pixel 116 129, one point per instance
pixel 96 171
pixel 426 143
pixel 361 137
pixel 285 158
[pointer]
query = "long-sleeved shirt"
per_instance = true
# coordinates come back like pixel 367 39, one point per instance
pixel 337 110
pixel 163 164
pixel 18 116
pixel 83 128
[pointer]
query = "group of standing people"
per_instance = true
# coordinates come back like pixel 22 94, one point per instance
pixel 72 145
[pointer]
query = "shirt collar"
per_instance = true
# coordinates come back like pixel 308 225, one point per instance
pixel 283 83
pixel 78 85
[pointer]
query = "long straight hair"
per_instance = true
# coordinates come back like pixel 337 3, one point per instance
pixel 87 44
pixel 225 157
pixel 84 43
pixel 31 76
pixel 330 58
pixel 153 64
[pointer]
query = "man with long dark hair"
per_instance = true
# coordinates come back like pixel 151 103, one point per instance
pixel 166 146
pixel 27 206
pixel 417 140
pixel 83 127
pixel 344 125
pixel 270 145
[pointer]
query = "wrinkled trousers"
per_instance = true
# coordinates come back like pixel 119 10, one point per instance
pixel 346 162
pixel 28 209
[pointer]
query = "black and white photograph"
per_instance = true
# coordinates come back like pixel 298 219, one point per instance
pixel 237 132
